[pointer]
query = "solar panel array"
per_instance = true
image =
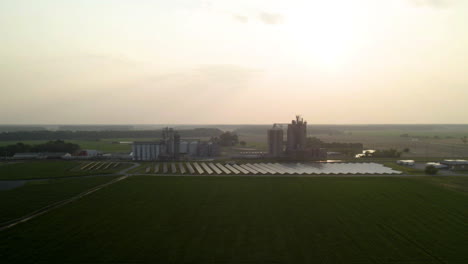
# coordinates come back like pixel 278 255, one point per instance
pixel 97 165
pixel 209 168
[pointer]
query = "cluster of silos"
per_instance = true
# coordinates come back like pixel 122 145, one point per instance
pixel 146 150
pixel 199 149
pixel 275 141
pixel 297 134
pixel 296 148
pixel 170 144
pixel 188 148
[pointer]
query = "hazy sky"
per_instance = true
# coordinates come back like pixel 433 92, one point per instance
pixel 237 61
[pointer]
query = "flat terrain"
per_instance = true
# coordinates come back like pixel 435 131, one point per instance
pixel 50 169
pixel 149 219
pixel 34 195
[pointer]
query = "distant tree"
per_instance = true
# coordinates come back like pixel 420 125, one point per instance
pixel 406 150
pixel 242 143
pixel 431 170
pixel 464 139
pixel 51 146
pixel 387 153
pixel 56 146
pixel 227 139
pixel 314 142
pixel 404 135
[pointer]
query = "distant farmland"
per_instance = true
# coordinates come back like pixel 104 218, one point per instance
pixel 150 219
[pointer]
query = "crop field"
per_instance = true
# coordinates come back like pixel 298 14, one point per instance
pixel 262 168
pixel 34 195
pixel 147 219
pixel 54 169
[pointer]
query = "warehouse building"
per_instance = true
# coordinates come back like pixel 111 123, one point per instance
pixel 459 165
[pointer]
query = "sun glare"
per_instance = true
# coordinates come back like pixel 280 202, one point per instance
pixel 326 34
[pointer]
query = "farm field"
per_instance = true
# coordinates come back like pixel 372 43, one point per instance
pixel 148 219
pixel 34 195
pixel 53 169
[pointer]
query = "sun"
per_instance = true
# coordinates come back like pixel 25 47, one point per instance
pixel 325 34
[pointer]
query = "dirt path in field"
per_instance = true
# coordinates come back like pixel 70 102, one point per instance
pixel 56 205
pixel 122 172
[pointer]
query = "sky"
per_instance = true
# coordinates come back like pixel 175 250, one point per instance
pixel 233 62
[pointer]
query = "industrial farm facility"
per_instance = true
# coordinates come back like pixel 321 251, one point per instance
pixel 294 147
pixel 171 147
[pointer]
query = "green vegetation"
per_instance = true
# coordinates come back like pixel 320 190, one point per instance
pixel 35 195
pixel 405 169
pixel 349 149
pixel 50 146
pixel 108 145
pixel 226 139
pixel 449 182
pixel 96 135
pixel 49 169
pixel 148 219
pixel 386 153
pixel 431 170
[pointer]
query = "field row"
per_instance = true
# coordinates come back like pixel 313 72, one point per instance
pixel 99 165
pixel 210 168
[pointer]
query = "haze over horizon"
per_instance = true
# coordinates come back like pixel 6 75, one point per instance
pixel 233 62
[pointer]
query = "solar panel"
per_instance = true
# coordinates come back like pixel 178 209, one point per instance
pixel 278 169
pixel 92 166
pixel 86 165
pixel 259 169
pixel 223 168
pixel 181 168
pixel 108 165
pixel 198 168
pixel 242 170
pixel 229 167
pixel 216 169
pixel 249 169
pixel 266 168
pixel 207 169
pixel 190 168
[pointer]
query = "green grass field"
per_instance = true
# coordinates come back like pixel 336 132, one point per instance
pixel 35 195
pixel 148 219
pixel 49 169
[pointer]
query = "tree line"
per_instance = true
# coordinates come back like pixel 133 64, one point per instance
pixel 51 146
pixel 96 135
pixel 345 148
